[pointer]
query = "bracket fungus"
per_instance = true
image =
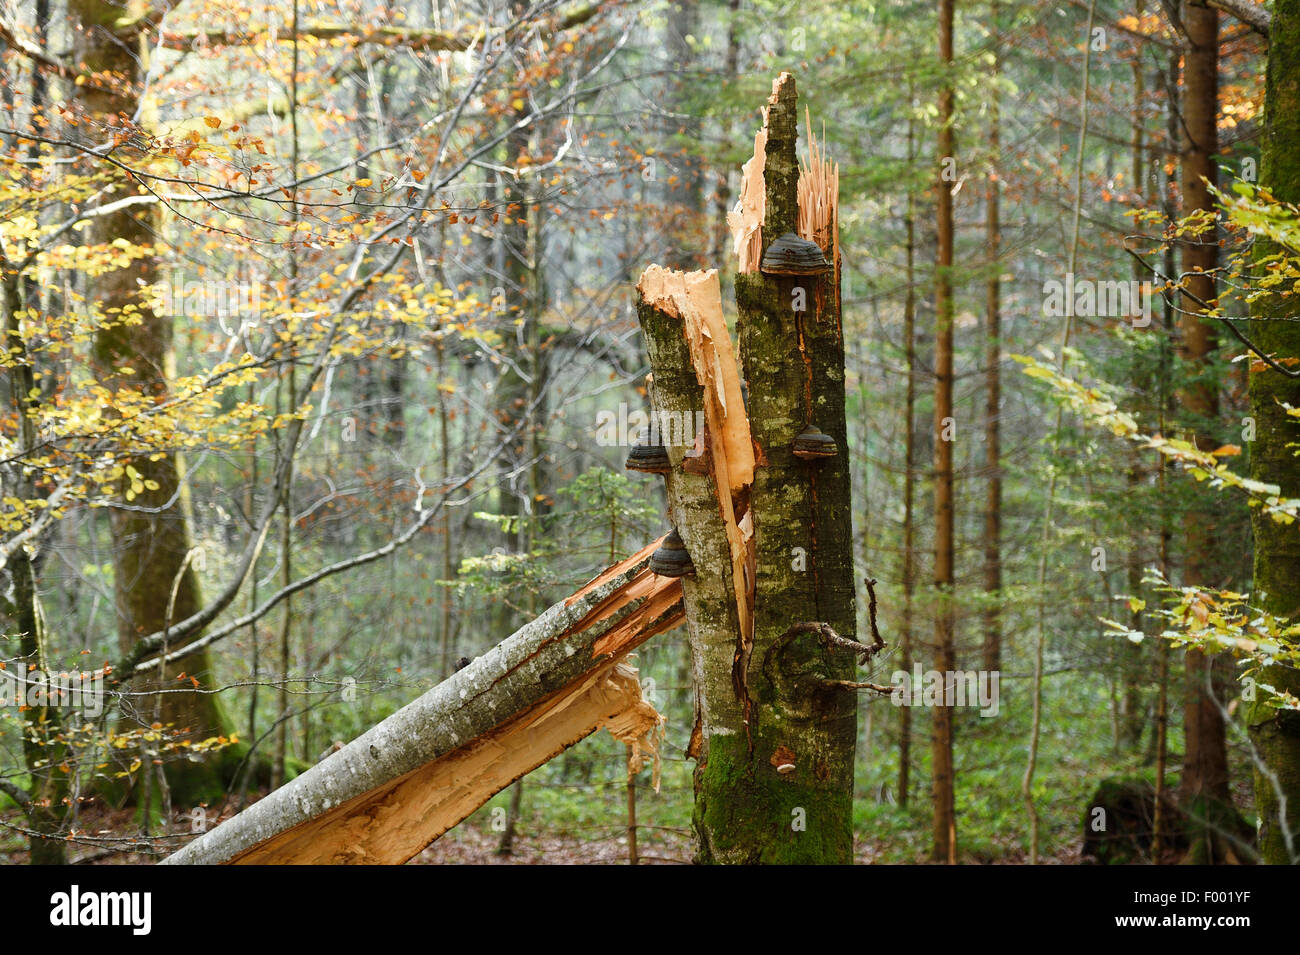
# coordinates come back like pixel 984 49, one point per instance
pixel 812 445
pixel 648 457
pixel 670 559
pixel 792 255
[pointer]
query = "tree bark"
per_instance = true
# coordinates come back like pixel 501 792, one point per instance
pixel 993 397
pixel 1205 766
pixel 151 533
pixel 945 822
pixel 1132 670
pixel 776 721
pixel 794 363
pixel 407 780
pixel 676 311
pixel 909 482
pixel 1274 733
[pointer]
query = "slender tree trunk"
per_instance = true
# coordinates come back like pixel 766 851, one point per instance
pixel 278 769
pixel 1205 766
pixel 631 813
pixel 446 634
pixel 44 748
pixel 521 396
pixel 945 820
pixel 993 396
pixel 1132 709
pixel 1165 409
pixel 909 482
pixel 722 201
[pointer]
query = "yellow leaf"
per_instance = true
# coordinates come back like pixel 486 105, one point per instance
pixel 363 183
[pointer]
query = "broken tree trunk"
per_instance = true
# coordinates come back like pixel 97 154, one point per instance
pixel 406 781
pixel 762 503
pixel 693 368
pixel 795 769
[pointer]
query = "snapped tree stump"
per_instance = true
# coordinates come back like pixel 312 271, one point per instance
pixel 762 503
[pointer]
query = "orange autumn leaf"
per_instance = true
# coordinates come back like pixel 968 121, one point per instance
pixel 212 121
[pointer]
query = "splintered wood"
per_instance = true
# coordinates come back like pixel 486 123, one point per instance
pixel 410 778
pixel 819 190
pixel 695 299
pixel 746 220
pixel 819 196
pixel 390 824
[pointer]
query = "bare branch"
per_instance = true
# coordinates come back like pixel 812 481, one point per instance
pixel 1252 14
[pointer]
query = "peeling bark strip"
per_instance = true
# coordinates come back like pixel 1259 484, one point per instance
pixel 406 781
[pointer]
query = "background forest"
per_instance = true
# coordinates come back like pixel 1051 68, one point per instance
pixel 321 350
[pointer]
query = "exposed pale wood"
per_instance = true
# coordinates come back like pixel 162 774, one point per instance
pixel 818 198
pixel 746 219
pixel 819 191
pixel 695 299
pixel 694 370
pixel 391 824
pixel 404 782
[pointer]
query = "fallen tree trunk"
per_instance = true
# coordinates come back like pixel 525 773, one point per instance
pixel 406 781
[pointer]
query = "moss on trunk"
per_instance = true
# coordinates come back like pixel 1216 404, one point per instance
pixel 1276 733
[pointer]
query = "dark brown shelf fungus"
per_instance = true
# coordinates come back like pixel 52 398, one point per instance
pixel 670 558
pixel 791 255
pixel 651 458
pixel 812 445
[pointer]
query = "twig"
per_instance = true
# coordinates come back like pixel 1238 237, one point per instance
pixel 1231 327
pixel 829 638
pixel 877 642
pixel 883 688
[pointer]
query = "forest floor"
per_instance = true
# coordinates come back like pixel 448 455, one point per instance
pixel 473 844
pixel 574 807
pixel 468 845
